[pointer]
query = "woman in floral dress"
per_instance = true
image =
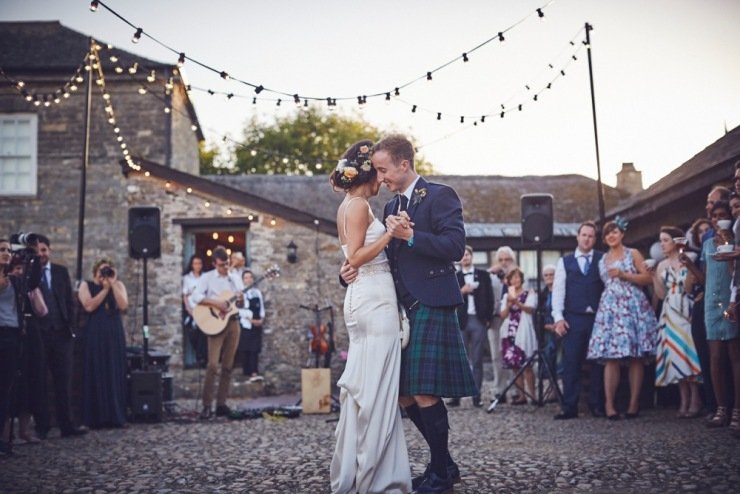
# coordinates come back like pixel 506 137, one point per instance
pixel 625 329
pixel 518 339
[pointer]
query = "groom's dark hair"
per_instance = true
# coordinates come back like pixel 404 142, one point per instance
pixel 398 146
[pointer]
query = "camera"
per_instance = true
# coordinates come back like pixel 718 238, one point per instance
pixel 500 274
pixel 24 239
pixel 107 272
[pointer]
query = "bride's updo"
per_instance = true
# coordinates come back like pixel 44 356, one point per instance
pixel 354 168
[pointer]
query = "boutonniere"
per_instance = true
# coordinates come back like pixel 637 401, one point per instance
pixel 419 195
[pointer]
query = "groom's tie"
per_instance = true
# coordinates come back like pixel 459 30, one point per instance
pixel 404 203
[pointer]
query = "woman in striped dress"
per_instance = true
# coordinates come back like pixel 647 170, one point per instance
pixel 677 361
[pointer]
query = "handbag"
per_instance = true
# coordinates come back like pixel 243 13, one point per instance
pixel 405 326
pixel 38 306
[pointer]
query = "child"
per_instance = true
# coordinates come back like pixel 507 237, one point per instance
pixel 251 318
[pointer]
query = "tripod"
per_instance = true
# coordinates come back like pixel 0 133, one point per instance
pixel 538 357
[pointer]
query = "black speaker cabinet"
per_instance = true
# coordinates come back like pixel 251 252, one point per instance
pixel 145 395
pixel 537 218
pixel 143 232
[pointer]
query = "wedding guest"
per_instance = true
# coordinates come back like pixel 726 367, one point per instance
pixel 550 339
pixel 251 317
pixel 722 334
pixel 518 339
pixel 104 374
pixel 576 291
pixel 677 361
pixel 504 262
pixel 625 328
pixel 701 228
pixel 197 338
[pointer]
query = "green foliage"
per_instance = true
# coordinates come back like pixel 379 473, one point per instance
pixel 208 156
pixel 305 143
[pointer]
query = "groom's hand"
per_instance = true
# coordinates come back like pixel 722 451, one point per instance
pixel 348 273
pixel 399 226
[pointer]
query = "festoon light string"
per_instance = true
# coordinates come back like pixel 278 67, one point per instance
pixel 96 66
pixel 47 98
pixel 525 94
pixel 296 97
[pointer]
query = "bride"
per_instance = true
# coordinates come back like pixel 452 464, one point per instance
pixel 370 454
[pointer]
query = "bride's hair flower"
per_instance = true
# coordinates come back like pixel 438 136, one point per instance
pixel 355 168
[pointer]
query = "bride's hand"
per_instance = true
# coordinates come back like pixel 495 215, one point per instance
pixel 399 226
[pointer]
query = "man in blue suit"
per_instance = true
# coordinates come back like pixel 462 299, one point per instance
pixel 575 298
pixel 426 222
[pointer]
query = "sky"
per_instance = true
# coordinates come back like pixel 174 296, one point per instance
pixel 666 72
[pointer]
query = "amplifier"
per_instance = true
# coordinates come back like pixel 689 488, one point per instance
pixel 145 395
pixel 157 359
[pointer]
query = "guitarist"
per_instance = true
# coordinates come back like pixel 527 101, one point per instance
pixel 222 346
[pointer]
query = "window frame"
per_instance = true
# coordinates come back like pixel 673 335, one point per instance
pixel 34 166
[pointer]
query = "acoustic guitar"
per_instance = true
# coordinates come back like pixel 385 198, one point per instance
pixel 212 321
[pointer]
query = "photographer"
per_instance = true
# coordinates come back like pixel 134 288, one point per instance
pixel 52 339
pixel 104 375
pixel 11 322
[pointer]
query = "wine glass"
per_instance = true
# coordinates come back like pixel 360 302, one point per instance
pixel 681 243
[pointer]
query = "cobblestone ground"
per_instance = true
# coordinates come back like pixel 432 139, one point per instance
pixel 515 449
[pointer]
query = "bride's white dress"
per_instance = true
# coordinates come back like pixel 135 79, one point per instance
pixel 370 454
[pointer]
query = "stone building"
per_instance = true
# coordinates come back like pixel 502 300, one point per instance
pixel 259 215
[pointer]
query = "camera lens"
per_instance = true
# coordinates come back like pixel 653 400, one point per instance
pixel 107 271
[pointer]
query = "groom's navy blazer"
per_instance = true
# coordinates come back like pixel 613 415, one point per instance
pixel 426 270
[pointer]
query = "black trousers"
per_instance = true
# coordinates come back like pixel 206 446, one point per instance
pixel 51 352
pixel 10 345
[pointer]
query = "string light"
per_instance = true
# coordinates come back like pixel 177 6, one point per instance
pixel 137 35
pixel 258 88
pixel 181 60
pixel 94 6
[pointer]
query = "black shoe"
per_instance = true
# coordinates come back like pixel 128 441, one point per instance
pixel 597 412
pixel 566 416
pixel 223 411
pixel 613 417
pixel 75 431
pixel 435 484
pixel 630 416
pixel 477 403
pixel 454 402
pixel 6 448
pixel 206 413
pixel 453 473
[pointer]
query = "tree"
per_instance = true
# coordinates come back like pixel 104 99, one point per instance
pixel 306 143
pixel 208 159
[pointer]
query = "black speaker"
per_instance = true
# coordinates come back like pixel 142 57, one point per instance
pixel 537 220
pixel 145 395
pixel 143 232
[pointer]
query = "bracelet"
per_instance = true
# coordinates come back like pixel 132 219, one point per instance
pixel 410 242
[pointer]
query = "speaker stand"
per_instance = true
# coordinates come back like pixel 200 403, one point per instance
pixel 145 319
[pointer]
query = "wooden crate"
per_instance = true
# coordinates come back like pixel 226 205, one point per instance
pixel 316 390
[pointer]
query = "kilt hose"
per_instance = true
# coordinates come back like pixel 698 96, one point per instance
pixel 434 362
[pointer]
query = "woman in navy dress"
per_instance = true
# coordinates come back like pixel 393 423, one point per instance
pixel 104 376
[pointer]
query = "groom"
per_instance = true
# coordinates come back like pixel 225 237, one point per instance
pixel 426 222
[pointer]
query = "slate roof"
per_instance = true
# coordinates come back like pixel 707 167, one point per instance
pixel 40 48
pixel 487 200
pixel 48 46
pixel 714 164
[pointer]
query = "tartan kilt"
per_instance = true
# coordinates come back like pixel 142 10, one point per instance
pixel 434 362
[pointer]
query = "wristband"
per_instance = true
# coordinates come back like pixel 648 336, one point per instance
pixel 410 242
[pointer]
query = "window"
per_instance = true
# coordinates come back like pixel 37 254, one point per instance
pixel 18 155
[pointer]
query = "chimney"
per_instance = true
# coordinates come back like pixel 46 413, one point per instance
pixel 628 179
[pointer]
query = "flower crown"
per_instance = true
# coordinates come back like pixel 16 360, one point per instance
pixel 349 170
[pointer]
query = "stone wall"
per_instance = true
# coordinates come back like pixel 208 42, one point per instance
pixel 310 281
